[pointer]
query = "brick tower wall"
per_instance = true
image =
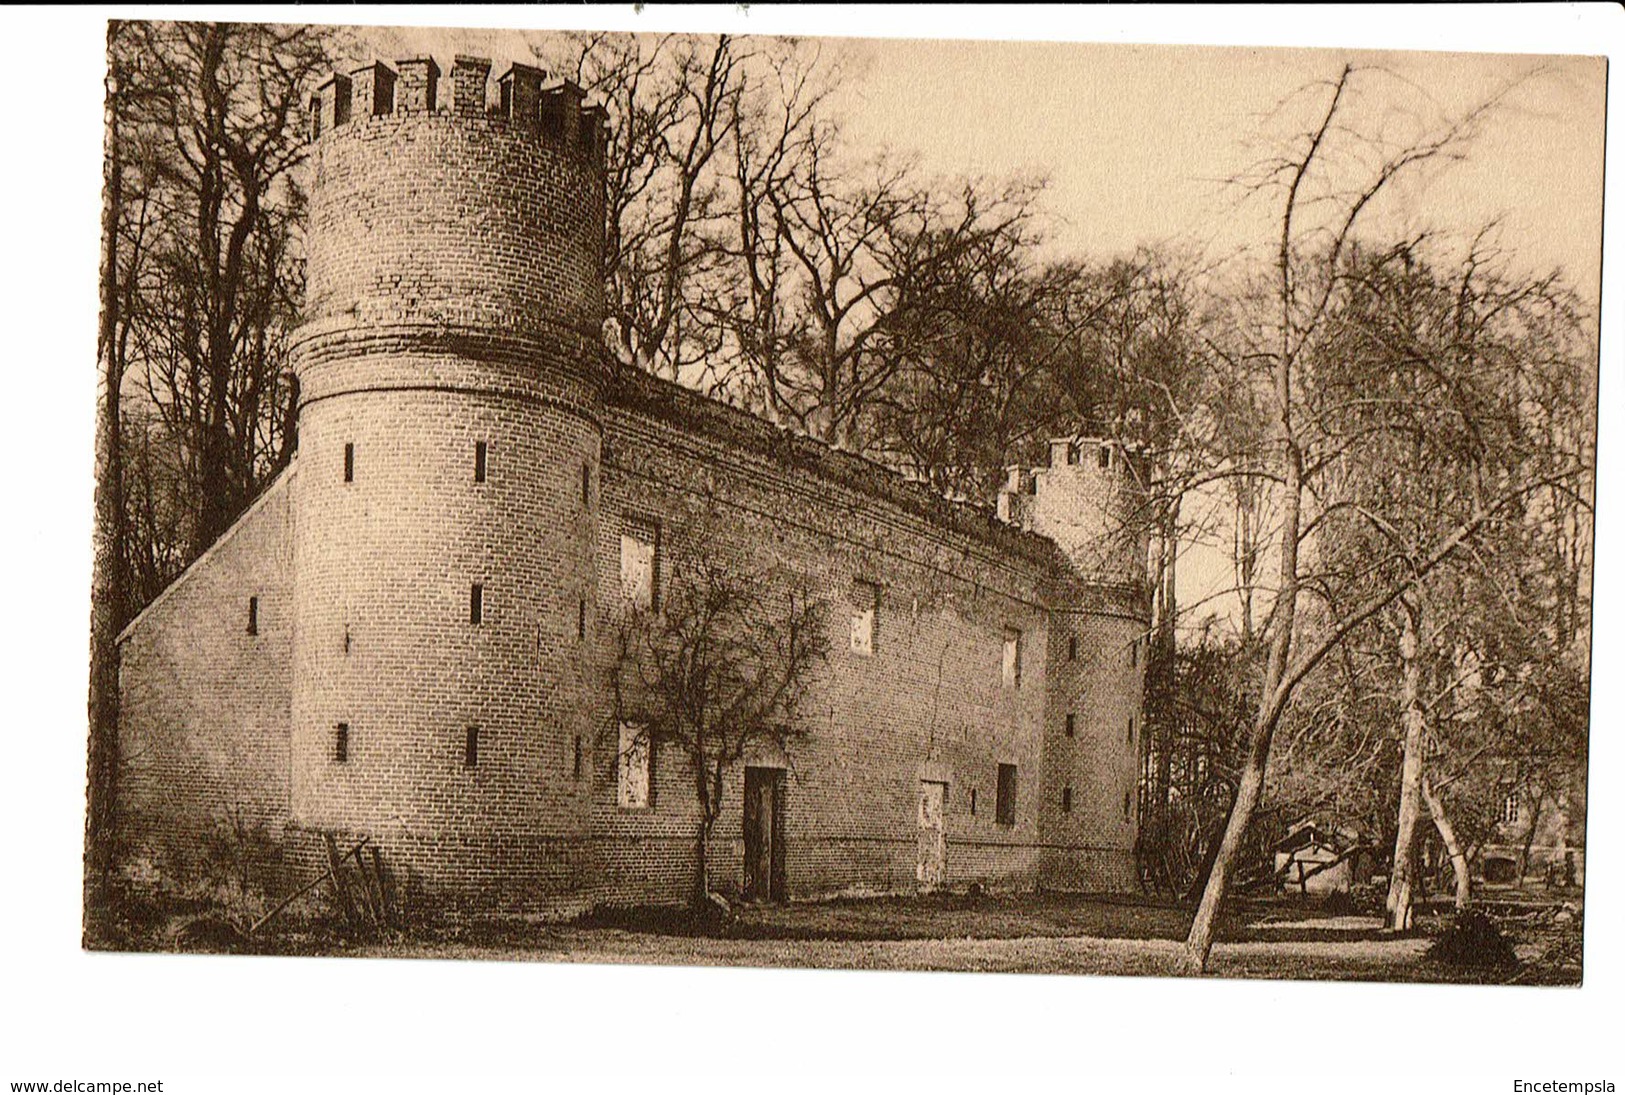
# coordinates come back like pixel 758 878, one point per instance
pixel 454 302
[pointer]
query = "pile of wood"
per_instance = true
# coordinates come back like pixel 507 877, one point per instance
pixel 361 887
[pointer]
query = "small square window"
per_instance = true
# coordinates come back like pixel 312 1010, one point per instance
pixel 253 615
pixel 865 610
pixel 1071 725
pixel 1072 454
pixel 633 762
pixel 479 461
pixel 341 742
pixel 1066 800
pixel 1012 658
pixel 471 747
pixel 1072 648
pixel 1004 807
pixel 349 462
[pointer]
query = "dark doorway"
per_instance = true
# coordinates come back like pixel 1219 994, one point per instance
pixel 764 834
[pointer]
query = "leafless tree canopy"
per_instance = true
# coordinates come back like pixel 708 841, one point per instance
pixel 722 666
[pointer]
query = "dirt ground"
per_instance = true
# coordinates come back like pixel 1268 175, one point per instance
pixel 1025 934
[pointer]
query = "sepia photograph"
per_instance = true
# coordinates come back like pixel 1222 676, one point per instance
pixel 701 494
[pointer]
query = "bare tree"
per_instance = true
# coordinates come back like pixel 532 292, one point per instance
pixel 1307 448
pixel 110 594
pixel 722 666
pixel 211 129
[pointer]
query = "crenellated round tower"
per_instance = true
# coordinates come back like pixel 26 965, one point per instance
pixel 451 377
pixel 1091 499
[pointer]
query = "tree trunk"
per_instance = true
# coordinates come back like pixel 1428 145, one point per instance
pixel 1161 668
pixel 1529 834
pixel 1452 846
pixel 702 872
pixel 1283 620
pixel 1402 880
pixel 108 583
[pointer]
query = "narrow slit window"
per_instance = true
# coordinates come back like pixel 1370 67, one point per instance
pixel 1126 797
pixel 1071 725
pixel 1130 738
pixel 1105 457
pixel 973 802
pixel 586 485
pixel 341 742
pixel 1072 648
pixel 476 603
pixel 479 461
pixel 253 615
pixel 1134 654
pixel 349 461
pixel 581 618
pixel 575 763
pixel 471 747
pixel 1066 800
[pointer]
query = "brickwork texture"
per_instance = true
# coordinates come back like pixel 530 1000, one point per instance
pixel 436 579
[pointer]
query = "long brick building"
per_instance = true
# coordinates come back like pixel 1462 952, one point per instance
pixel 405 636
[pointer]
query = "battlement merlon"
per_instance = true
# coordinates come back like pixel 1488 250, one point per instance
pixel 526 100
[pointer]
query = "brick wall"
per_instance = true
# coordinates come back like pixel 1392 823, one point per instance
pixel 928 704
pixel 203 728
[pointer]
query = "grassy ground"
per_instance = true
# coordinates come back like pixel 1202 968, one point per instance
pixel 1019 933
pixel 1030 933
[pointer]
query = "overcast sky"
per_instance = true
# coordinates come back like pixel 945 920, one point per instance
pixel 1135 140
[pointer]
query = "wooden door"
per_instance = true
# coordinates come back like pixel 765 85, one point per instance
pixel 933 842
pixel 764 841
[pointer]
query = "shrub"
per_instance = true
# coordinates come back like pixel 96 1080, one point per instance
pixel 1340 903
pixel 1473 940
